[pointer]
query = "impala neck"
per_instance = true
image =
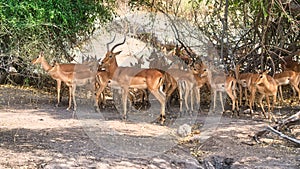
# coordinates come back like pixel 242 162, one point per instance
pixel 112 68
pixel 45 64
pixel 209 76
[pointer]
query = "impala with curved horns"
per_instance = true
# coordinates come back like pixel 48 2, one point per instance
pixel 130 77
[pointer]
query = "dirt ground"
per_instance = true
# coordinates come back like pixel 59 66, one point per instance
pixel 36 134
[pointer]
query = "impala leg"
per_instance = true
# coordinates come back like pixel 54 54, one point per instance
pixel 261 104
pixel 162 100
pixel 58 86
pixel 232 97
pixel 73 96
pixel 251 102
pixel 280 93
pixel 236 102
pixel 180 88
pixel 186 96
pixel 295 87
pixel 70 97
pixel 247 99
pixel 192 98
pixel 124 100
pixel 215 99
pixel 74 100
pixel 270 109
pixel 197 95
pixel 221 100
pixel 98 95
pixel 271 113
pixel 241 93
pixel 169 93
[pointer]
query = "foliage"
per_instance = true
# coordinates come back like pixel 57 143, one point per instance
pixel 56 26
pixel 257 33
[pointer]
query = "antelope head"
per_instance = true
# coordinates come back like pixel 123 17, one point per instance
pixel 203 70
pixel 110 56
pixel 38 59
pixel 188 56
pixel 262 77
pixel 197 68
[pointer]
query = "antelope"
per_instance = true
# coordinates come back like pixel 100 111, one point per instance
pixel 221 84
pixel 287 77
pixel 101 83
pixel 69 67
pixel 129 77
pixel 170 85
pixel 248 82
pixel 186 83
pixel 185 78
pixel 245 81
pixel 200 82
pixel 266 86
pixel 289 64
pixel 74 79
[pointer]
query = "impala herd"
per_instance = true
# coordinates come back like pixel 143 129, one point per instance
pixel 163 83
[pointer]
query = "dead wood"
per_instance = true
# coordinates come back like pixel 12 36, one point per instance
pixel 285 123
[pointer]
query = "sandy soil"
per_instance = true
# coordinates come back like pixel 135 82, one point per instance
pixel 36 134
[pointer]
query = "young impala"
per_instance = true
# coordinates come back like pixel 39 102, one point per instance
pixel 221 83
pixel 100 85
pixel 200 82
pixel 67 67
pixel 246 82
pixel 129 77
pixel 288 77
pixel 266 86
pixel 186 83
pixel 74 79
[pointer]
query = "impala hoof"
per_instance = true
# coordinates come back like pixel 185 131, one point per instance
pixel 97 109
pixel 162 119
pixel 73 114
pixel 124 117
pixel 191 112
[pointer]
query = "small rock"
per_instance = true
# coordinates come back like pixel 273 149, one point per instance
pixel 184 130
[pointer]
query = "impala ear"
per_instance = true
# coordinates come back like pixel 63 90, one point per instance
pixel 117 53
pixel 267 71
pixel 257 71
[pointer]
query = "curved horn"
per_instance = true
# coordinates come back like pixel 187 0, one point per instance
pixel 119 44
pixel 107 45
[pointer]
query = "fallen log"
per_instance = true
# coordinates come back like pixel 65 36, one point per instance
pixel 287 122
pixel 283 135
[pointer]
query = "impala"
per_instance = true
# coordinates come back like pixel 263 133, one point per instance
pixel 246 81
pixel 288 77
pixel 186 83
pixel 128 77
pixel 200 82
pixel 101 83
pixel 289 64
pixel 169 86
pixel 74 79
pixel 69 67
pixel 266 86
pixel 221 84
